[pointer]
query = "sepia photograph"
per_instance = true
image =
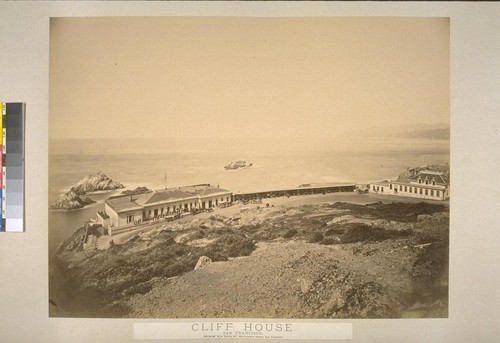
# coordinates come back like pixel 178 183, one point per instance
pixel 249 167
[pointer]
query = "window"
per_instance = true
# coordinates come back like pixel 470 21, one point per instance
pixel 432 192
pixel 382 189
pixel 130 218
pixel 420 190
pixel 415 190
pixel 419 180
pixel 390 186
pixel 433 182
pixel 426 192
pixel 406 189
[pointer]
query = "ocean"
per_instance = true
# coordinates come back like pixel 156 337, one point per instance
pixel 146 162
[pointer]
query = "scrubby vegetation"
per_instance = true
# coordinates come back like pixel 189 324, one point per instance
pixel 229 245
pixel 397 211
pixel 132 268
pixel 367 233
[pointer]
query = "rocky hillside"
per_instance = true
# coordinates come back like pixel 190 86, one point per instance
pixel 72 199
pixel 312 261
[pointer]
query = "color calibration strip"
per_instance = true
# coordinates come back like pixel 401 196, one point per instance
pixel 12 162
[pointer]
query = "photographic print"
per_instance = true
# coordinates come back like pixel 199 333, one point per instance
pixel 249 167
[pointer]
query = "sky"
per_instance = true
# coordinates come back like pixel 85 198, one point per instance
pixel 208 78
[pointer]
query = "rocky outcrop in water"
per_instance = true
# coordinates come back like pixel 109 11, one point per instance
pixel 238 164
pixel 94 182
pixel 70 200
pixel 137 190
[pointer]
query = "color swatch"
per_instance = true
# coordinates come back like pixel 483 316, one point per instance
pixel 12 162
pixel 3 110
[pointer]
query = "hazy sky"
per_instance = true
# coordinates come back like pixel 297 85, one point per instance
pixel 205 77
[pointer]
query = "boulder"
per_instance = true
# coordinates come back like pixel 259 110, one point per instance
pixel 202 262
pixel 305 285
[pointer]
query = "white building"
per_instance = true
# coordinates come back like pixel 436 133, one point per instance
pixel 424 185
pixel 125 211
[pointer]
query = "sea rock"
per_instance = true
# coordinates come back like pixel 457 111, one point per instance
pixel 137 190
pixel 70 200
pixel 202 262
pixel 95 182
pixel 238 164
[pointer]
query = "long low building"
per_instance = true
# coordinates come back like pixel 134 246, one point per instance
pixel 125 211
pixel 424 185
pixel 304 189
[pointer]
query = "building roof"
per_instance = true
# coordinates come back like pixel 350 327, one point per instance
pixel 163 195
pixel 303 187
pixel 440 178
pixel 209 191
pixel 204 190
pixel 124 203
pixel 430 175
